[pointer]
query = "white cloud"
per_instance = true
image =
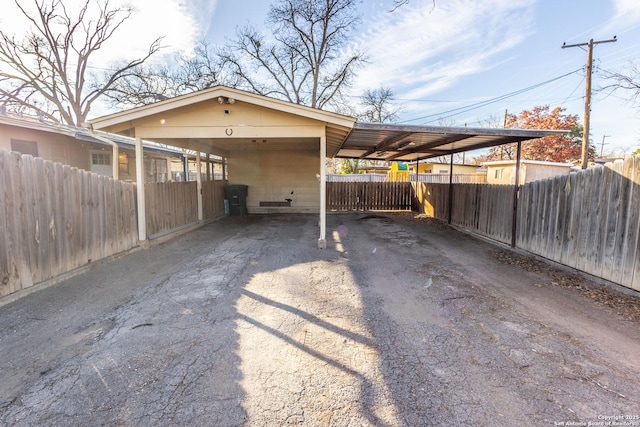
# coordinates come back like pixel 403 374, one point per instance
pixel 627 8
pixel 626 18
pixel 426 50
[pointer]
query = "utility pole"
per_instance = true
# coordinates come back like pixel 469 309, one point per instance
pixel 504 125
pixel 603 144
pixel 587 98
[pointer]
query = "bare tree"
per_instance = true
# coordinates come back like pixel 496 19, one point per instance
pixel 48 71
pixel 399 3
pixel 182 74
pixel 379 106
pixel 304 63
pixel 627 82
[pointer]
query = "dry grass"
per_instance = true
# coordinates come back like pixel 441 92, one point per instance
pixel 627 306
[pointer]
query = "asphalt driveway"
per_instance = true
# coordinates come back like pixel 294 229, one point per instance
pixel 400 322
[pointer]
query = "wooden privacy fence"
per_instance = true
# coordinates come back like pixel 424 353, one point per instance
pixel 350 196
pixel 588 220
pixel 174 204
pixel 458 178
pixel 170 205
pixel 443 178
pixel 482 208
pixel 54 218
pixel 487 209
pixel 213 199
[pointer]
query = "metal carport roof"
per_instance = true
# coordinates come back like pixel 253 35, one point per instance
pixel 374 141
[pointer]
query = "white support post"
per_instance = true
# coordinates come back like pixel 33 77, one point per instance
pixel 199 185
pixel 322 241
pixel 116 161
pixel 142 211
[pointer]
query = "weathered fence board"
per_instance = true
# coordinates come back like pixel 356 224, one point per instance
pixel 435 178
pixel 485 209
pixel 348 196
pixel 54 219
pixel 630 265
pixel 589 220
pixel 213 199
pixel 170 205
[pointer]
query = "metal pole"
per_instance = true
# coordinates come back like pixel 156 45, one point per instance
pixel 142 206
pixel 450 190
pixel 516 189
pixel 200 210
pixel 603 144
pixel 322 240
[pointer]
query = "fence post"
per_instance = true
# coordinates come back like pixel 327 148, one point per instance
pixel 199 185
pixel 450 190
pixel 516 188
pixel 142 216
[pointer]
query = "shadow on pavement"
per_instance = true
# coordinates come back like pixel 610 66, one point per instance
pixel 246 322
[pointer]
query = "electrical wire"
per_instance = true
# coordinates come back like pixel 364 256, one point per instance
pixel 490 101
pixel 574 90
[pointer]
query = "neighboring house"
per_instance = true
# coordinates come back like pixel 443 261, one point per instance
pixel 83 149
pixel 604 160
pixel 504 171
pixel 443 168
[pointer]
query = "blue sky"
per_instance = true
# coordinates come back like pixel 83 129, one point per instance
pixel 460 53
pixel 467 51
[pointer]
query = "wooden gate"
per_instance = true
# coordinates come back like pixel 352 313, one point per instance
pixel 369 196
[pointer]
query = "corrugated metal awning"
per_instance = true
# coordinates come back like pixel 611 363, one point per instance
pixel 374 141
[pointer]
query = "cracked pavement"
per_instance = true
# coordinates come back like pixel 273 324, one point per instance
pixel 400 322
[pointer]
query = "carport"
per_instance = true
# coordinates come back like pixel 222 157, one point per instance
pixel 279 149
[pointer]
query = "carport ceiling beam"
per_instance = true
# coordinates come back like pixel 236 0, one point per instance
pixel 385 144
pixel 437 153
pixel 448 139
pixel 494 143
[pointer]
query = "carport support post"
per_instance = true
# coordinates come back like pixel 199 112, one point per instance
pixel 142 214
pixel 199 184
pixel 516 188
pixel 450 190
pixel 322 241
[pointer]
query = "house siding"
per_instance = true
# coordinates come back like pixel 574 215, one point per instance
pixel 274 175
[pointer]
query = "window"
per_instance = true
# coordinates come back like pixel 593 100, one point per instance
pixel 155 169
pixel 443 171
pixel 498 174
pixel 100 158
pixel 123 163
pixel 25 147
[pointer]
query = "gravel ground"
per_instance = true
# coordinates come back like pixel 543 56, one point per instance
pixel 400 322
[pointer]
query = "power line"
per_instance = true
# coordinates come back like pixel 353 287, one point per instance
pixel 490 101
pixel 573 91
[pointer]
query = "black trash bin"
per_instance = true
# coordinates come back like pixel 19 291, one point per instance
pixel 237 197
